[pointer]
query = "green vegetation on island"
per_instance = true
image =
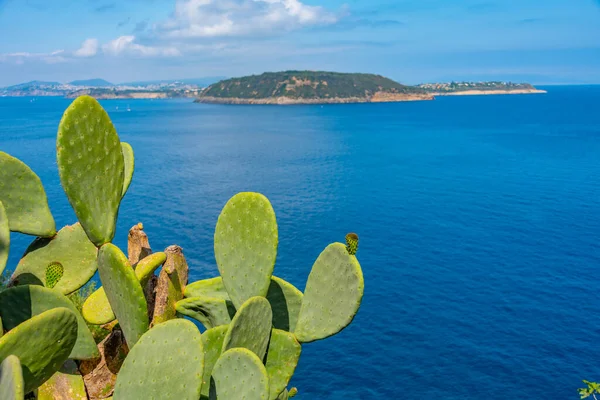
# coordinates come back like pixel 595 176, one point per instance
pixel 132 338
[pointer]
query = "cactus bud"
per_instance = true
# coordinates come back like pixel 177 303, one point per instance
pixel 54 272
pixel 352 243
pixel 293 392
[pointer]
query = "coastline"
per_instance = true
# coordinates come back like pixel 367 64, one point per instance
pixel 490 92
pixel 377 98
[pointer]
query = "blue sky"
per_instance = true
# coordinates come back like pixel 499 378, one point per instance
pixel 412 41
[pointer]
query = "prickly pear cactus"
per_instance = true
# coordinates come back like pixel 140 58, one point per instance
pixel 91 167
pixel 18 304
pixel 4 238
pixel 166 363
pixel 209 311
pixel 54 273
pixel 145 267
pixel 124 292
pixel 251 327
pixel 42 344
pixel 333 294
pixel 66 384
pixel 71 248
pixel 212 339
pixel 246 241
pixel 24 199
pixel 352 243
pixel 239 371
pixel 207 288
pixel 11 379
pixel 129 164
pixel 282 358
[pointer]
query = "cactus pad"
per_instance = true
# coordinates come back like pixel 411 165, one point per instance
pixel 91 167
pixel 212 339
pixel 124 292
pixel 209 311
pixel 54 273
pixel 146 267
pixel 42 343
pixel 128 163
pixel 166 363
pixel 333 294
pixel 11 379
pixel 24 199
pixel 4 238
pixel 239 371
pixel 18 304
pixel 207 288
pixel 352 243
pixel 65 384
pixel 292 392
pixel 246 241
pixel 285 395
pixel 71 248
pixel 282 358
pixel 251 327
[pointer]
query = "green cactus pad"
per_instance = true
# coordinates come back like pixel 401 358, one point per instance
pixel 207 288
pixel 4 238
pixel 209 311
pixel 146 267
pixel 333 294
pixel 212 339
pixel 96 308
pixel 251 327
pixel 246 241
pixel 239 371
pixel 11 379
pixel 124 292
pixel 166 363
pixel 42 343
pixel 129 163
pixel 285 299
pixel 71 248
pixel 54 272
pixel 24 199
pixel 91 167
pixel 65 384
pixel 352 243
pixel 282 358
pixel 18 304
pixel 284 395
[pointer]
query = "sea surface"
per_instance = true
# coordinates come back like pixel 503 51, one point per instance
pixel 479 224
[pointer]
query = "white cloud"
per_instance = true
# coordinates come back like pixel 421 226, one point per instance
pixel 89 48
pixel 126 45
pixel 19 58
pixel 216 18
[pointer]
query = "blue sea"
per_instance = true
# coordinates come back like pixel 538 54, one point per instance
pixel 479 220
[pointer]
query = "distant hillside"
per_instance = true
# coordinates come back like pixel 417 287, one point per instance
pixel 309 87
pixel 92 83
pixel 32 84
pixel 202 82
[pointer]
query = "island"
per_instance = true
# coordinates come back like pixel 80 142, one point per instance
pixel 310 87
pixel 319 87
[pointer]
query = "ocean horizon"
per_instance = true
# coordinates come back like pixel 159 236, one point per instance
pixel 478 219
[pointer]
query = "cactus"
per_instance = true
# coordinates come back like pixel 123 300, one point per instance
pixel 54 272
pixel 65 382
pixel 293 392
pixel 18 304
pixel 124 292
pixel 71 248
pixel 333 294
pixel 285 299
pixel 11 379
pixel 96 308
pixel 42 343
pixel 91 167
pixel 282 359
pixel 212 340
pixel 239 371
pixel 169 350
pixel 24 199
pixel 4 238
pixel 251 327
pixel 352 243
pixel 171 284
pixel 128 165
pixel 246 241
pixel 209 311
